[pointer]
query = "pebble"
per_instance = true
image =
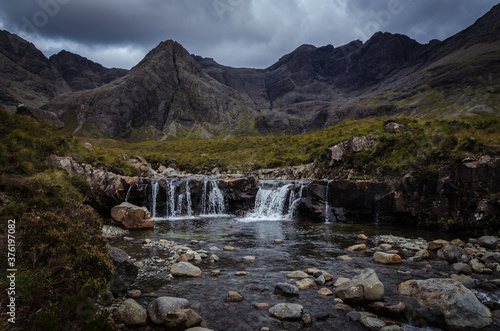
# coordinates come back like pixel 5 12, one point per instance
pixel 240 273
pixel 305 284
pixel 134 294
pixel 229 248
pixel 358 247
pixel 298 275
pixel 325 291
pixel 260 305
pixel 234 296
pixel 215 273
pixel 340 281
pixel 362 236
pixel 214 248
pixel 249 258
pixel 344 258
pixel 278 241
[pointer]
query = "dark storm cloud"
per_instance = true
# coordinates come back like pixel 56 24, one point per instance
pixel 252 33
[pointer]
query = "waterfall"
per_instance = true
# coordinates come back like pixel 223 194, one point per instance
pixel 170 193
pixel 154 194
pixel 212 201
pixel 272 201
pixel 295 202
pixel 188 200
pixel 128 193
pixel 327 206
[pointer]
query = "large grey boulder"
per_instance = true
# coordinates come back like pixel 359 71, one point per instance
pixel 131 216
pixel 124 271
pixel 364 288
pixel 445 303
pixel 159 308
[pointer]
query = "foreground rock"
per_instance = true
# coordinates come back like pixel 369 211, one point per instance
pixel 386 258
pixel 131 216
pixel 185 269
pixel 445 303
pixel 159 308
pixel 124 271
pixel 285 289
pixel 287 311
pixel 364 288
pixel 182 319
pixel 131 313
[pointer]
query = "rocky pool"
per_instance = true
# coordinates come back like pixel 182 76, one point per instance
pixel 264 252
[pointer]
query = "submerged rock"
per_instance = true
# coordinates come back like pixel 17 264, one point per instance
pixel 287 311
pixel 445 303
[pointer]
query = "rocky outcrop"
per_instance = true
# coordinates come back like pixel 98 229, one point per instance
pixel 444 303
pixel 356 144
pixel 132 217
pixel 41 115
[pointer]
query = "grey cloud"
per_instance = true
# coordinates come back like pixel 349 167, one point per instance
pixel 251 33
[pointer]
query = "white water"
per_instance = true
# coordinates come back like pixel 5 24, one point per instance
pixel 212 200
pixel 189 203
pixel 154 194
pixel 327 207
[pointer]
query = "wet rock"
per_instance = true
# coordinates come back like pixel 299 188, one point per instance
pixel 437 244
pixel 457 242
pixel 249 258
pixel 134 294
pixel 340 281
pixel 287 311
pixel 131 216
pixel 213 258
pixel 477 266
pixel 278 241
pixel 182 319
pixel 445 303
pixel 342 307
pixel 298 275
pixel 324 291
pixel 229 248
pixel 285 289
pixel 450 253
pixel 362 236
pixel 234 296
pixel 261 305
pixel 159 308
pixel 462 268
pixel 344 258
pixel 358 247
pixel 307 320
pixel 491 257
pixel 320 280
pixel 110 231
pixel 465 280
pixel 185 269
pixel 182 258
pixel 305 284
pixel 215 273
pixel 131 313
pixel 386 258
pixel 240 273
pixel 124 271
pixel 385 246
pixel 365 287
pixel 370 320
pixel 489 242
pixel 313 271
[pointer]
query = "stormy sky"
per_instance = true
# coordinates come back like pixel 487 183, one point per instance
pixel 238 33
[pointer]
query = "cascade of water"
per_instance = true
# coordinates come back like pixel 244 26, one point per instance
pixel 295 202
pixel 327 206
pixel 270 202
pixel 154 193
pixel 128 193
pixel 212 201
pixel 188 200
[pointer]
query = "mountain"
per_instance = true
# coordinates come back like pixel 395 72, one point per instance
pixel 27 76
pixel 167 93
pixel 172 94
pixel 81 73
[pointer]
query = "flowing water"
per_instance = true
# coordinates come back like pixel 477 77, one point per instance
pixel 305 245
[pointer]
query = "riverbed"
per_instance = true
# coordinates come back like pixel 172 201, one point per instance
pixel 304 245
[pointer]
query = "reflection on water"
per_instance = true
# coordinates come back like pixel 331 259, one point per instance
pixel 304 245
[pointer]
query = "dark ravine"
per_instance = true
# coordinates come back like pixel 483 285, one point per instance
pixel 460 198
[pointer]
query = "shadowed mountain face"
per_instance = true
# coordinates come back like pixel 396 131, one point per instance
pixel 171 93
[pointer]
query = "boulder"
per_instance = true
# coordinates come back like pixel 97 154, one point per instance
pixel 450 253
pixel 182 319
pixel 444 303
pixel 364 288
pixel 386 258
pixel 185 269
pixel 131 313
pixel 393 127
pixel 159 308
pixel 287 311
pixel 489 242
pixel 124 271
pixel 131 216
pixel 286 290
pixel 141 167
